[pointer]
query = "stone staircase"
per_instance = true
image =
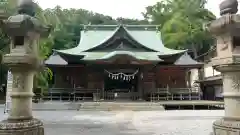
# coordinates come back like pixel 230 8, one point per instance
pixel 98 106
pixel 120 106
pixel 55 106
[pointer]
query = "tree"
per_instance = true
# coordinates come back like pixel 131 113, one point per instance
pixel 66 25
pixel 181 23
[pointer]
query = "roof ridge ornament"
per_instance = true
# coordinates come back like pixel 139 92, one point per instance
pixel 121 25
pixel 228 7
pixel 120 46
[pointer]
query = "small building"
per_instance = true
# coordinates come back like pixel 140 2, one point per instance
pixel 209 79
pixel 122 62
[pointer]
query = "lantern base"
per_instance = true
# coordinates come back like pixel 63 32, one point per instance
pixel 226 127
pixel 21 127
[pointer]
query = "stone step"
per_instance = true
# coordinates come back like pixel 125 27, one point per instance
pixel 120 107
pixel 133 107
pixel 109 109
pixel 97 106
pixel 55 106
pixel 121 104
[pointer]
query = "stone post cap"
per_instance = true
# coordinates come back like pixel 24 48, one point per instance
pixel 21 24
pixel 229 23
pixel 228 7
pixel 25 21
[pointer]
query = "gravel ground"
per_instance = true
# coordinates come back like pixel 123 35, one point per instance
pixel 128 122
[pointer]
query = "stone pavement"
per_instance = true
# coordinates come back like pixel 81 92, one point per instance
pixel 185 122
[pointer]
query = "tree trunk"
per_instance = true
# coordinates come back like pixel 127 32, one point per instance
pixel 194 49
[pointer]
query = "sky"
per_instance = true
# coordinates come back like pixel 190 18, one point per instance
pixel 115 8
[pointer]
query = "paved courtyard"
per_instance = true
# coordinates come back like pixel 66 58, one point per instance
pixel 128 122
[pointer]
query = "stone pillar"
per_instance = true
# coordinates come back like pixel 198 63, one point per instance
pixel 23 61
pixel 231 80
pixel 226 30
pixel 21 94
pixel 230 123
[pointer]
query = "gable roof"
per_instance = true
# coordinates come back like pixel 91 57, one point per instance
pixel 146 36
pixel 149 56
pixel 186 59
pixel 95 35
pixel 56 59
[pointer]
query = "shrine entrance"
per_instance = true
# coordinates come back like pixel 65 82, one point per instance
pixel 120 85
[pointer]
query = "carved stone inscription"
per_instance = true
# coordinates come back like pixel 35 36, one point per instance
pixel 18 81
pixel 224 43
pixel 232 80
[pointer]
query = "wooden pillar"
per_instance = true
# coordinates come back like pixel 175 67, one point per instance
pixel 103 86
pixel 188 77
pixel 57 80
pixel 140 86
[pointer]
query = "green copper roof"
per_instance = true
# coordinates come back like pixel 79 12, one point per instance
pixel 152 39
pixel 89 39
pixel 55 59
pixel 186 59
pixel 150 56
pixel 141 42
pixel 95 35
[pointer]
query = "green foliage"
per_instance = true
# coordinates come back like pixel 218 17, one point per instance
pixel 181 23
pixel 66 32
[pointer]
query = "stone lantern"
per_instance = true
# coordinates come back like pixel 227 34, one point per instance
pixel 226 29
pixel 23 60
pixel 2 15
